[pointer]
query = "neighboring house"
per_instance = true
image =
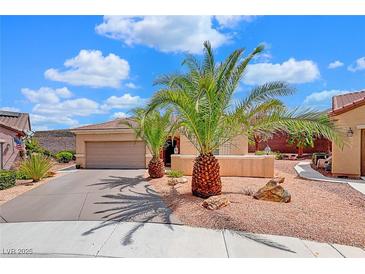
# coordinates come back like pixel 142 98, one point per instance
pixel 14 127
pixel 114 145
pixel 348 112
pixel 56 140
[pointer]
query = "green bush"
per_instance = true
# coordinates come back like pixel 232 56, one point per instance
pixel 64 156
pixel 278 155
pixel 21 175
pixel 174 173
pixel 36 167
pixel 7 179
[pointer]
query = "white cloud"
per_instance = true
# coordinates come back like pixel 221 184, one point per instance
pixel 13 109
pixel 126 101
pixel 359 65
pixel 46 95
pixel 131 85
pixel 44 122
pixel 291 71
pixel 324 96
pixel 231 21
pixel 335 64
pixel 74 107
pixel 164 33
pixel 119 115
pixel 91 68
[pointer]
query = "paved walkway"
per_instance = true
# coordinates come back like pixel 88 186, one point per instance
pixel 130 239
pixel 305 171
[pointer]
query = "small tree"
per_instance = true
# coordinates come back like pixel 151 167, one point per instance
pixel 301 139
pixel 154 128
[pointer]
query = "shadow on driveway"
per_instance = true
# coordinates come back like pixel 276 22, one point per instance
pixel 135 201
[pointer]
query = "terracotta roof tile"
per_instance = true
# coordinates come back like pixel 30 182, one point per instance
pixel 348 101
pixel 15 120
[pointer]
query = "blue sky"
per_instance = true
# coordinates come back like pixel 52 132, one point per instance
pixel 68 71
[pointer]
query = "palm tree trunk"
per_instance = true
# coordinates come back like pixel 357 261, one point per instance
pixel 206 180
pixel 156 168
pixel 257 143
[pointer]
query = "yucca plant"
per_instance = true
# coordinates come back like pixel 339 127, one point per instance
pixel 36 167
pixel 154 128
pixel 203 100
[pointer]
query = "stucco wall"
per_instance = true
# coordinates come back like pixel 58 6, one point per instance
pixel 9 150
pixel 104 136
pixel 347 160
pixel 238 146
pixel 231 165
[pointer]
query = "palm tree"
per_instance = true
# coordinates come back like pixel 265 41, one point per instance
pixel 154 128
pixel 203 100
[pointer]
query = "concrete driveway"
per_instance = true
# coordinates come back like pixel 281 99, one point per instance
pixel 90 195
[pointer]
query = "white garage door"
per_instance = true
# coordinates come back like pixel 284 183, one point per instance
pixel 128 154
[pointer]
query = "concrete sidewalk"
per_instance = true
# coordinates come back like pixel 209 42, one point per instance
pixel 133 239
pixel 305 171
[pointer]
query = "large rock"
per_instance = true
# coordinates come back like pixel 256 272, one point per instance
pixel 278 180
pixel 274 192
pixel 175 181
pixel 216 202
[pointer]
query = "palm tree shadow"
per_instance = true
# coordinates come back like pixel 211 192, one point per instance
pixel 136 202
pixel 262 240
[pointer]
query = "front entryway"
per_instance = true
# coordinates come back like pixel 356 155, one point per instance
pixel 363 152
pixel 126 154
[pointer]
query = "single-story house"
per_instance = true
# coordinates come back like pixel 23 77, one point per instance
pixel 114 145
pixel 348 113
pixel 14 127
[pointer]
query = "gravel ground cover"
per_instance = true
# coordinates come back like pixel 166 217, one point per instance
pixel 320 211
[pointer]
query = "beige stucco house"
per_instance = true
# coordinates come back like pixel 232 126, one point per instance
pixel 348 112
pixel 114 145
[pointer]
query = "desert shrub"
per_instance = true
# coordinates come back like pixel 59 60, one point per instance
pixel 278 155
pixel 64 156
pixel 36 167
pixel 7 179
pixel 174 173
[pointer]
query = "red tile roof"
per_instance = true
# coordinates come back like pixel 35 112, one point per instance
pixel 345 102
pixel 114 124
pixel 15 120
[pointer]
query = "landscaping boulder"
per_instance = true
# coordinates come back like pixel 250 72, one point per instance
pixel 216 202
pixel 175 181
pixel 278 180
pixel 274 192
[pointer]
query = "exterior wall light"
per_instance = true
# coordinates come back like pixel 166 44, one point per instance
pixel 350 132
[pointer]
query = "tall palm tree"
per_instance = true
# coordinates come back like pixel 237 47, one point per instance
pixel 154 128
pixel 203 100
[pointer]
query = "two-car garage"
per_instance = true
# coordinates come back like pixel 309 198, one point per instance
pixel 125 154
pixel 109 145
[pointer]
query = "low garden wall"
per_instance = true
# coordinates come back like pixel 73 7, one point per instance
pixel 230 165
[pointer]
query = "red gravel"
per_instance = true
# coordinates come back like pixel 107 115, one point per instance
pixel 320 211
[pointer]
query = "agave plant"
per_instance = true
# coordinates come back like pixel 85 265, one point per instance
pixel 203 100
pixel 36 167
pixel 154 128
